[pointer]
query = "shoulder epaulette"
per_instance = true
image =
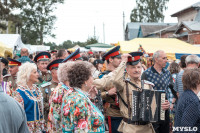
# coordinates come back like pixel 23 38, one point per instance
pixel 46 84
pixel 149 83
pixel 104 73
pixel 7 75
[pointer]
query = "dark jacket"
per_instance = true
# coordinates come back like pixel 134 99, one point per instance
pixel 188 110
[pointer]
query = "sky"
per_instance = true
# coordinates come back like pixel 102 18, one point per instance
pixel 78 20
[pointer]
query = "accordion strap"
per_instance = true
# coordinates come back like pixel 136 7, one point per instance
pixel 122 99
pixel 128 101
pixel 134 85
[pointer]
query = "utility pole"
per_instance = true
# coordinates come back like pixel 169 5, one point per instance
pixel 103 33
pixel 124 25
pixel 94 32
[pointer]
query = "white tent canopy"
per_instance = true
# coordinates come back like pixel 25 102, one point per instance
pixel 35 48
pixel 99 49
pixel 12 40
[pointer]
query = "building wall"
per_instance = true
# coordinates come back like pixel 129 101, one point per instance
pixel 185 39
pixel 167 35
pixel 187 16
pixel 194 38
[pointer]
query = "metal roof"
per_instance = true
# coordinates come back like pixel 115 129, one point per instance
pixel 196 5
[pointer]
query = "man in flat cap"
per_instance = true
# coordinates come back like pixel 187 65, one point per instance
pixel 129 70
pixel 113 59
pixel 42 60
pixel 9 85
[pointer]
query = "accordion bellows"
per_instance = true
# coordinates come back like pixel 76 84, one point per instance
pixel 146 105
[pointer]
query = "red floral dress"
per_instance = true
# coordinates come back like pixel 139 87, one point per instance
pixel 55 101
pixel 80 115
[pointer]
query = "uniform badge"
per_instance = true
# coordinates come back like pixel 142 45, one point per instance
pixel 46 90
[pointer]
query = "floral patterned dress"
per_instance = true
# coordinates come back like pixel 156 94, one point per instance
pixel 7 88
pixel 32 102
pixel 55 101
pixel 80 115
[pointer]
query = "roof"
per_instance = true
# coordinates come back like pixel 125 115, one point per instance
pixel 99 45
pixel 151 45
pixel 190 25
pixel 194 6
pixel 167 29
pixel 146 29
pixel 12 40
pixel 133 27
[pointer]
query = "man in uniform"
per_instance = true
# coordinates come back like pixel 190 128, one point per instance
pixel 4 64
pixel 130 68
pixel 48 87
pixel 113 59
pixel 73 56
pixel 42 60
pixel 9 85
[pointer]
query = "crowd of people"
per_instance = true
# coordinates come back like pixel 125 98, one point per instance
pixel 85 92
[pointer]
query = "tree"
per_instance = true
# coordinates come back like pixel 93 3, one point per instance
pixel 92 40
pixel 149 11
pixel 67 44
pixel 6 6
pixel 52 45
pixel 37 19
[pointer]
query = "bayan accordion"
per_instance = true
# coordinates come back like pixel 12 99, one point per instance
pixel 146 105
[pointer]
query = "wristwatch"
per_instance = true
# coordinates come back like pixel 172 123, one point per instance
pixel 106 93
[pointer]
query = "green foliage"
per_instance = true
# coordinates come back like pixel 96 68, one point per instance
pixel 149 11
pixel 37 19
pixel 6 15
pixel 52 45
pixel 91 40
pixel 69 44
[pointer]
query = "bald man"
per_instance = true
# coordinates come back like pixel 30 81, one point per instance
pixel 24 56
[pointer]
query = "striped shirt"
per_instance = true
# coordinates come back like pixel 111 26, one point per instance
pixel 179 84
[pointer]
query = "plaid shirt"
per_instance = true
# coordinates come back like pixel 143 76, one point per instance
pixel 160 80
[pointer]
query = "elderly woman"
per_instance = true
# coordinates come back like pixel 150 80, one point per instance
pixel 55 101
pixel 30 96
pixel 79 114
pixel 188 107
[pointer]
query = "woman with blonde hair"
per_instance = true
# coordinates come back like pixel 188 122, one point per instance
pixel 30 96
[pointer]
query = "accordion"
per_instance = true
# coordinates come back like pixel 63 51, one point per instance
pixel 146 105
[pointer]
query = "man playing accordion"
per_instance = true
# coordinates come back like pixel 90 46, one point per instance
pixel 126 79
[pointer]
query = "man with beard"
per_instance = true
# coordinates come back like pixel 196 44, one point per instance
pixel 42 60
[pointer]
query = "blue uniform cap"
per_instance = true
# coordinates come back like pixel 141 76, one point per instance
pixel 112 53
pixel 135 59
pixel 42 56
pixel 73 56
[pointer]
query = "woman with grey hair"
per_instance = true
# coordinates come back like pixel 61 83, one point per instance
pixel 30 96
pixel 55 100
